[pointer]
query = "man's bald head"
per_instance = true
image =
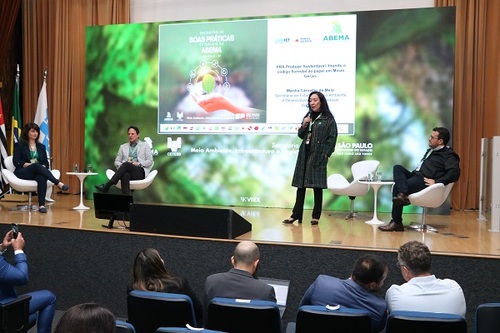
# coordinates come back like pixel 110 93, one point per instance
pixel 246 255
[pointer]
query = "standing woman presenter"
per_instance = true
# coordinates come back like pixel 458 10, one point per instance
pixel 319 136
pixel 31 162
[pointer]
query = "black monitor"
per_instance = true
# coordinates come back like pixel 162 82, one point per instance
pixel 112 206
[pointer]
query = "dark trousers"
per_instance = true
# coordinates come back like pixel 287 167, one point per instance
pixel 125 173
pixel 40 174
pixel 406 182
pixel 298 208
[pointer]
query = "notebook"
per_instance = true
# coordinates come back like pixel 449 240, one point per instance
pixel 280 289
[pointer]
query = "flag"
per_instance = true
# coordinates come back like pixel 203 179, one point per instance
pixel 16 116
pixel 3 146
pixel 42 118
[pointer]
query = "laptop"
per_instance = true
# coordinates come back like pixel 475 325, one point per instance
pixel 280 289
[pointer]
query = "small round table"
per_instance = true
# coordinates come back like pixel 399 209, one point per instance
pixel 375 185
pixel 81 176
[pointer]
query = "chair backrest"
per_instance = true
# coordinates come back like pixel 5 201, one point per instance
pixel 428 322
pixel 14 315
pixel 432 196
pixel 184 329
pixel 361 169
pixel 9 163
pixel 317 318
pixel 243 316
pixel 488 318
pixel 124 327
pixel 149 310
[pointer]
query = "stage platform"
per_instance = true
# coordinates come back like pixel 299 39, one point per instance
pixel 71 254
pixel 460 233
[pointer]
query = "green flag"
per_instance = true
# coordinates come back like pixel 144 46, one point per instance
pixel 17 122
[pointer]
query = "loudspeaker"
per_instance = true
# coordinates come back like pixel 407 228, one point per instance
pixel 187 221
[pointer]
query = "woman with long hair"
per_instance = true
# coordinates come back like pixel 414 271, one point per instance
pixel 150 273
pixel 318 132
pixel 31 162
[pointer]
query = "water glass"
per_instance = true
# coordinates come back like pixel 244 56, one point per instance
pixel 378 177
pixel 89 168
pixel 75 167
pixel 369 177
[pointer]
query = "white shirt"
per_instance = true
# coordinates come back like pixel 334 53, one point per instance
pixel 427 294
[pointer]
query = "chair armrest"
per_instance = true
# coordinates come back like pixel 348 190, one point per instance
pixel 13 302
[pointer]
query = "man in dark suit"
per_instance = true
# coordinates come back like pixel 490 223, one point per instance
pixel 440 164
pixel 239 281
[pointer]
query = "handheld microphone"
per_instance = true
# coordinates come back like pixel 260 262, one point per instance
pixel 307 116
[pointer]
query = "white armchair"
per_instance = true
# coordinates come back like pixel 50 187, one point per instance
pixel 432 196
pixel 135 184
pixel 339 185
pixel 23 185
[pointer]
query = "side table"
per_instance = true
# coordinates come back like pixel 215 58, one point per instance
pixel 81 176
pixel 375 186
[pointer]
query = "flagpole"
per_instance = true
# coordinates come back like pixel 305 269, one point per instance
pixel 45 73
pixel 16 115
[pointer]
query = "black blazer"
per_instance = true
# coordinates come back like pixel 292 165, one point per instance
pixel 22 155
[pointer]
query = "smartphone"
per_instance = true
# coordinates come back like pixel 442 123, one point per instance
pixel 15 230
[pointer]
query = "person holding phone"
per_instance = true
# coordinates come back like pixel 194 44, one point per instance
pixel 11 276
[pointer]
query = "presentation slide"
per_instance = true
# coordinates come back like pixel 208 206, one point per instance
pixel 254 76
pixel 219 101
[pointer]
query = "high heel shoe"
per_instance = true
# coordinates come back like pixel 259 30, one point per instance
pixel 314 221
pixel 290 220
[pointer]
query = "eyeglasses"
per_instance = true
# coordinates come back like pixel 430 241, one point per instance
pixel 433 137
pixel 399 264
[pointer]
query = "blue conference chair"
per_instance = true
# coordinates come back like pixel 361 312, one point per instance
pixel 184 329
pixel 149 310
pixel 488 318
pixel 243 316
pixel 318 318
pixel 124 327
pixel 428 322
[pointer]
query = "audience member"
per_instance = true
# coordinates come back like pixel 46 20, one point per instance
pixel 423 291
pixel 440 164
pixel 357 292
pixel 87 318
pixel 133 161
pixel 150 273
pixel 240 281
pixel 42 301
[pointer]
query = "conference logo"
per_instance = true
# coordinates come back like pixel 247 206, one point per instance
pixel 174 146
pixel 336 34
pixel 149 141
pixel 250 199
pixel 282 40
